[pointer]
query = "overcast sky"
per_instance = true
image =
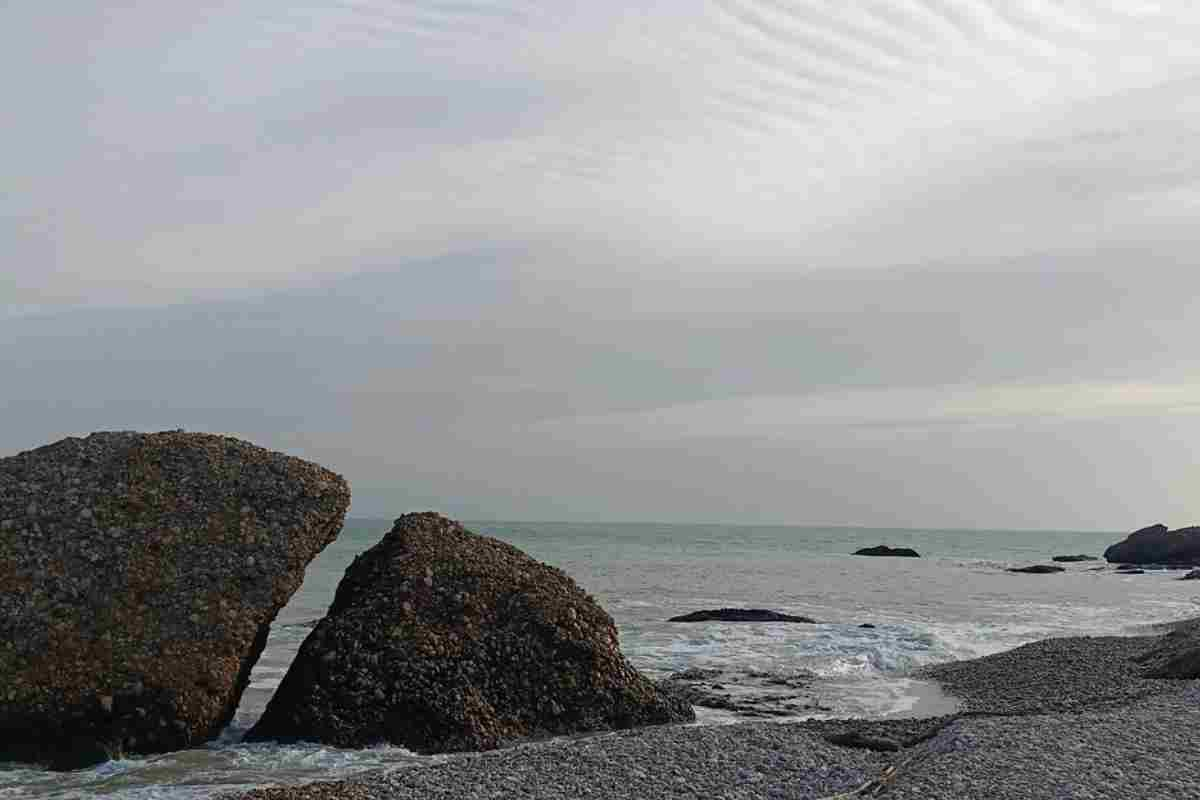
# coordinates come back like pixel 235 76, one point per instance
pixel 905 263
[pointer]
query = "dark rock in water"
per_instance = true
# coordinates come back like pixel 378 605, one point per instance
pixel 866 625
pixel 864 741
pixel 139 575
pixel 1038 569
pixel 1191 576
pixel 1157 545
pixel 884 550
pixel 738 615
pixel 442 640
pixel 1129 569
pixel 1070 559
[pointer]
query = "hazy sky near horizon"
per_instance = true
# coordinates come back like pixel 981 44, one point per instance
pixel 906 263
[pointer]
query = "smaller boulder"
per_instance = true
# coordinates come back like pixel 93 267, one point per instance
pixel 442 640
pixel 1037 569
pixel 738 615
pixel 884 550
pixel 1069 559
pixel 1191 576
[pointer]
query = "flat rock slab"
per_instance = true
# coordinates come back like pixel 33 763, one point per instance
pixel 139 574
pixel 746 692
pixel 739 615
pixel 1037 569
pixel 1070 559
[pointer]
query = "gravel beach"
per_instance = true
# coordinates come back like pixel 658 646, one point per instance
pixel 1059 718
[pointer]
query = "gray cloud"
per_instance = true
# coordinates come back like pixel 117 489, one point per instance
pixel 928 262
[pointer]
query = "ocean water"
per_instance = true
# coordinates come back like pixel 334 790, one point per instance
pixel 955 602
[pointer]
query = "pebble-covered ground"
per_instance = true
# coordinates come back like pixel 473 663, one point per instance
pixel 1063 719
pixel 756 760
pixel 1052 675
pixel 1148 749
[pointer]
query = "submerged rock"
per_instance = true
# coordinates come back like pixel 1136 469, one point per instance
pixel 441 640
pixel 1038 569
pixel 139 574
pixel 738 615
pixel 1157 545
pixel 1070 559
pixel 884 550
pixel 754 694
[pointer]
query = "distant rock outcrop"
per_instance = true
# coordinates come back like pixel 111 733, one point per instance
pixel 1157 545
pixel 738 615
pixel 884 550
pixel 442 640
pixel 139 574
pixel 1038 569
pixel 1071 559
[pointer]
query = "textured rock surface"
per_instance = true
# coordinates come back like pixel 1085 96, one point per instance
pixel 747 693
pixel 139 574
pixel 884 550
pixel 1177 654
pixel 442 640
pixel 738 615
pixel 1157 545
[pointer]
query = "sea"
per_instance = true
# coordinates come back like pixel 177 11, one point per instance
pixel 957 601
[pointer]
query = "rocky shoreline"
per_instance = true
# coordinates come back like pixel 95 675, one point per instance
pixel 1058 718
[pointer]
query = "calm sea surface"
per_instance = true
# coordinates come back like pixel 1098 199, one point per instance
pixel 955 602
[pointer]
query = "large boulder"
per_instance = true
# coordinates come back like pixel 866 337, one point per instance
pixel 1157 545
pixel 442 640
pixel 139 574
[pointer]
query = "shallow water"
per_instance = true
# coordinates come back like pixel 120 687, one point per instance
pixel 954 602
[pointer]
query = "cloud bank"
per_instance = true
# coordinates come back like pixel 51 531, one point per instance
pixel 924 263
